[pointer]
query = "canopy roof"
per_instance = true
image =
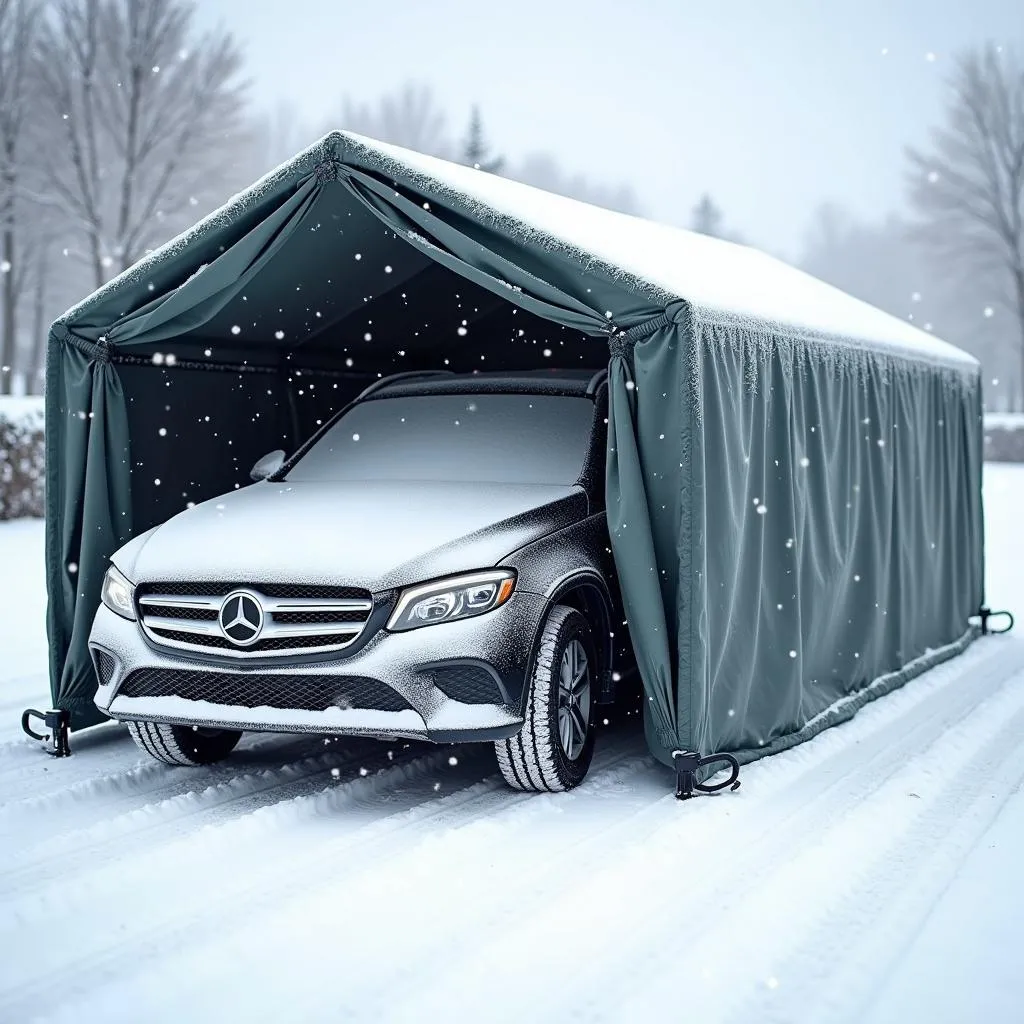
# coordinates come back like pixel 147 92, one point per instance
pixel 719 280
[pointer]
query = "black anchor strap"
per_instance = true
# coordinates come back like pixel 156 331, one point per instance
pixel 985 614
pixel 689 762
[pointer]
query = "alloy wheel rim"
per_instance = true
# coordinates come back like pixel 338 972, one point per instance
pixel 573 700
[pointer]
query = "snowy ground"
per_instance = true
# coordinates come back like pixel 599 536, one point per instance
pixel 869 875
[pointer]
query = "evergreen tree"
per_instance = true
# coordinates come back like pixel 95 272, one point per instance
pixel 476 150
pixel 707 219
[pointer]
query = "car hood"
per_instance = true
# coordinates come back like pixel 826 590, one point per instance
pixel 372 534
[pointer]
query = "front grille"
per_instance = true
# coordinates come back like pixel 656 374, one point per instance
pixel 221 643
pixel 296 618
pixel 318 616
pixel 469 684
pixel 254 690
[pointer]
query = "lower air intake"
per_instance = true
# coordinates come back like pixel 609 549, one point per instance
pixel 469 684
pixel 304 693
pixel 105 664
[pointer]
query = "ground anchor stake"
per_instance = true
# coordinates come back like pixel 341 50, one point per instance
pixel 985 614
pixel 689 762
pixel 55 741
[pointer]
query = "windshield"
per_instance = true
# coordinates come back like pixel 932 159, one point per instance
pixel 486 438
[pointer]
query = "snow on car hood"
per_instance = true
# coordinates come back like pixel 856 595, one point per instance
pixel 375 534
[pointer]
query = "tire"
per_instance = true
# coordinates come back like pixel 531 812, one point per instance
pixel 183 744
pixel 544 758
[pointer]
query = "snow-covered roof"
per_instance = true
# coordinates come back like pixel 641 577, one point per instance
pixel 709 273
pixel 717 278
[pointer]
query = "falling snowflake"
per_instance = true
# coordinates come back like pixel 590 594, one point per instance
pixel 367 336
pixel 761 509
pixel 235 329
pixel 453 761
pixel 805 462
pixel 355 437
pixel 988 311
pixel 792 654
pixel 461 332
pixel 5 266
pixel 72 567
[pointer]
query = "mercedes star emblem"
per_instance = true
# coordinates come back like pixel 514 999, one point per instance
pixel 241 617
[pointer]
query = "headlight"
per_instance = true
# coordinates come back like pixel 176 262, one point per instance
pixel 457 597
pixel 117 594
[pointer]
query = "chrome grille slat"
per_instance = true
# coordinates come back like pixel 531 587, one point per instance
pixel 196 625
pixel 170 601
pixel 201 627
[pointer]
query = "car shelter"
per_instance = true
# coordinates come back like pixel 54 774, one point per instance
pixel 793 477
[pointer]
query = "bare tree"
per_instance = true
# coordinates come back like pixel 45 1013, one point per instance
pixel 278 134
pixel 968 188
pixel 18 19
pixel 543 171
pixel 149 113
pixel 410 118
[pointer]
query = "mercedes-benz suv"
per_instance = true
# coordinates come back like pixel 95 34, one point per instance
pixel 434 563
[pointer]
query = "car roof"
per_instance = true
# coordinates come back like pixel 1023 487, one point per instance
pixel 554 381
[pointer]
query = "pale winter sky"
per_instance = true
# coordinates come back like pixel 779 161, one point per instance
pixel 773 107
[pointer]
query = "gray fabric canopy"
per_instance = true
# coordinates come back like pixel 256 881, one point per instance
pixel 794 478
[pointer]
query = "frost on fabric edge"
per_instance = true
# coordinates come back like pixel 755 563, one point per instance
pixel 378 155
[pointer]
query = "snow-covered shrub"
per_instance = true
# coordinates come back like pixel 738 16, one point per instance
pixel 21 457
pixel 1004 437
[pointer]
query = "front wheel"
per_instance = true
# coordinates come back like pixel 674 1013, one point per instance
pixel 184 744
pixel 553 750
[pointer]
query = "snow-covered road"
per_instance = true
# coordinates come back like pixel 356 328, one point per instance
pixel 306 880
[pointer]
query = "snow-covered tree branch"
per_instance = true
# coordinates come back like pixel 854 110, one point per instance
pixel 968 187
pixel 142 104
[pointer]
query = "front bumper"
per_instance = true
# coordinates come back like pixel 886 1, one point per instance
pixel 410 663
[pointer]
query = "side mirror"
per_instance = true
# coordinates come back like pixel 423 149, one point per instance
pixel 268 465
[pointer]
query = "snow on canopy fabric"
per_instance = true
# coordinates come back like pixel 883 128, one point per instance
pixel 793 476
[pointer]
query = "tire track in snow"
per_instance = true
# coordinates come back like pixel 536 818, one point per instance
pixel 851 933
pixel 85 956
pixel 378 856
pixel 121 838
pixel 178 793
pixel 705 862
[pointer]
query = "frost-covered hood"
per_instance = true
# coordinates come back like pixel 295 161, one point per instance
pixel 374 534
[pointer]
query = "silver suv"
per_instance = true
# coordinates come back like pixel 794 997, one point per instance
pixel 434 564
